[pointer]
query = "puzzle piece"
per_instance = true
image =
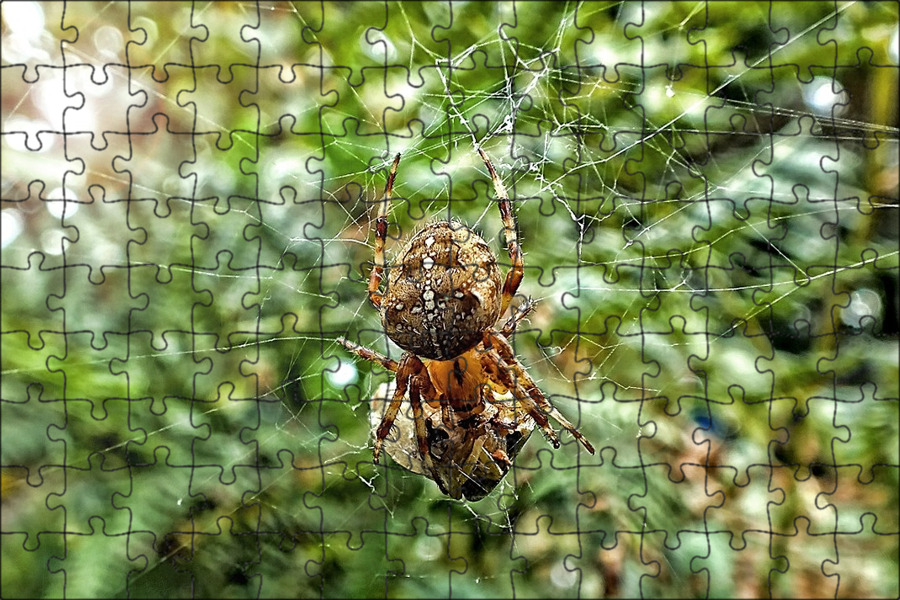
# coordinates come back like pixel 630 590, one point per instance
pixel 706 198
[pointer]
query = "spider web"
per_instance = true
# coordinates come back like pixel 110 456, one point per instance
pixel 709 219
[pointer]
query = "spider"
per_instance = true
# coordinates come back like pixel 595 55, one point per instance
pixel 443 301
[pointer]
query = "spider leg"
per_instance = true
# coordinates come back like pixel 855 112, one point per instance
pixel 519 314
pixel 497 369
pixel 407 368
pixel 412 376
pixel 422 433
pixel 517 271
pixel 370 355
pixel 535 401
pixel 381 227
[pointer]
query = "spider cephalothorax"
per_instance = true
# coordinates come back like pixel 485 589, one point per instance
pixel 443 301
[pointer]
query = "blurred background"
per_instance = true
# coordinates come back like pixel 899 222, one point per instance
pixel 707 198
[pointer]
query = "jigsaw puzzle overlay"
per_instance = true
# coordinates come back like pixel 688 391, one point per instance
pixel 706 195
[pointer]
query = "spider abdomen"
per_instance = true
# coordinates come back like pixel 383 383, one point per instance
pixel 443 292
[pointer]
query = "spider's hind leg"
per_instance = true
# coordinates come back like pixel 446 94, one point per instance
pixel 518 315
pixel 517 271
pixel 381 226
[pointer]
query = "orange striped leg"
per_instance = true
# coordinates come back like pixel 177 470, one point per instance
pixel 370 355
pixel 519 314
pixel 524 381
pixel 421 431
pixel 381 227
pixel 517 271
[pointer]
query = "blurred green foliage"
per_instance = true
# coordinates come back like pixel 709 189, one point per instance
pixel 707 198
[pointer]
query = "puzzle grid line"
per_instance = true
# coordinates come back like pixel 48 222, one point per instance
pixel 707 201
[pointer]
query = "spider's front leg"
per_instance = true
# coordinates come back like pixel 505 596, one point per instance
pixel 403 369
pixel 370 355
pixel 412 376
pixel 408 367
pixel 512 373
pixel 418 382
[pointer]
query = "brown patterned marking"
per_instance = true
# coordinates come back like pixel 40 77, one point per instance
pixel 443 293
